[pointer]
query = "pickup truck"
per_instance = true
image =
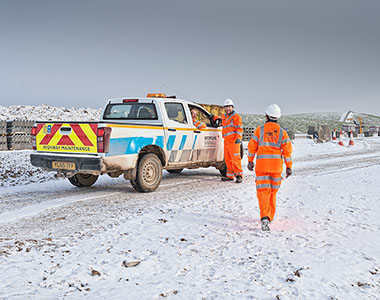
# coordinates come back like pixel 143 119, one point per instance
pixel 136 137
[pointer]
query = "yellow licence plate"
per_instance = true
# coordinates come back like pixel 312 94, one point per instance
pixel 66 165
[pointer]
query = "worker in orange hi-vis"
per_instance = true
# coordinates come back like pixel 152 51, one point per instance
pixel 232 133
pixel 271 145
pixel 197 123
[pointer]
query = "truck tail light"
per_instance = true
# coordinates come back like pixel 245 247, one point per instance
pixel 33 134
pixel 104 134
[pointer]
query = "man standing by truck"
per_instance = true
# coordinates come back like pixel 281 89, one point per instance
pixel 271 143
pixel 232 134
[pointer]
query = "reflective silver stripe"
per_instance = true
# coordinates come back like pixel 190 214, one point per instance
pixel 269 144
pixel 261 135
pixel 285 141
pixel 233 126
pixel 262 186
pixel 238 133
pixel 255 138
pixel 263 178
pixel 227 134
pixel 280 138
pixel 268 178
pixel 250 154
pixel 287 159
pixel 229 118
pixel 266 185
pixel 264 156
pixel 236 154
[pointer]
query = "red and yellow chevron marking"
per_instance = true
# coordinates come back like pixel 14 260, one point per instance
pixel 67 137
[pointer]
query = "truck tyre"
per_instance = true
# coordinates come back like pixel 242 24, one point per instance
pixel 148 175
pixel 223 171
pixel 81 180
pixel 175 171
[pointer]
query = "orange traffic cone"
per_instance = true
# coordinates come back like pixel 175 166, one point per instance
pixel 341 139
pixel 334 135
pixel 351 143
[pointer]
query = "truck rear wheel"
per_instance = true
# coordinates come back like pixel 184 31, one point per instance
pixel 175 171
pixel 82 180
pixel 223 171
pixel 148 175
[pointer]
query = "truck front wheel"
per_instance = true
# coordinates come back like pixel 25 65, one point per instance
pixel 148 175
pixel 82 180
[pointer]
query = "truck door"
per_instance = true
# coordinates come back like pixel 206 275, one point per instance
pixel 206 141
pixel 179 133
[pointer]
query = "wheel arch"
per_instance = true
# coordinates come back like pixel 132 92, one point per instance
pixel 157 150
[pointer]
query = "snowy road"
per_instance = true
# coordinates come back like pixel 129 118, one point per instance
pixel 199 238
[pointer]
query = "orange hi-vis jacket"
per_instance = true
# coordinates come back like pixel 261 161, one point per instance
pixel 232 127
pixel 199 124
pixel 271 144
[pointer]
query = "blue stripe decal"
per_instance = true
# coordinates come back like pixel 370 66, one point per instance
pixel 129 145
pixel 183 141
pixel 160 141
pixel 170 142
pixel 195 140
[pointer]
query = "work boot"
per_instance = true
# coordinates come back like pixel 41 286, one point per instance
pixel 227 179
pixel 265 224
pixel 239 179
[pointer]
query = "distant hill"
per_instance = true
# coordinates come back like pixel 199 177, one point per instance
pixel 297 123
pixel 300 122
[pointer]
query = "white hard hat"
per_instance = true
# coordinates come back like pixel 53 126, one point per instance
pixel 228 102
pixel 273 111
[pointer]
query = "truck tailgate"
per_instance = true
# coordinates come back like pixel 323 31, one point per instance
pixel 73 137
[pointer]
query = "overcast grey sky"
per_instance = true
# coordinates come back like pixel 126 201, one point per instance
pixel 306 56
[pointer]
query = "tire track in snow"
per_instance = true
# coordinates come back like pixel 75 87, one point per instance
pixel 34 209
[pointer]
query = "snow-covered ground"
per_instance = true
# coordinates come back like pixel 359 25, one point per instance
pixel 196 237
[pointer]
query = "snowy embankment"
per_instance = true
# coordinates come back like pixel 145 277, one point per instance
pixel 199 238
pixel 46 112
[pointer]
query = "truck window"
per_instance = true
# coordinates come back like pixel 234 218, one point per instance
pixel 131 111
pixel 176 112
pixel 202 116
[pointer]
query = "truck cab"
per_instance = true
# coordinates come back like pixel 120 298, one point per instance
pixel 136 137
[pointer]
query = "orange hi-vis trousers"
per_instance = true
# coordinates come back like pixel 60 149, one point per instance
pixel 267 185
pixel 233 160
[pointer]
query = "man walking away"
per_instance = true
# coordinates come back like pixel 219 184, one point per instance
pixel 232 134
pixel 271 143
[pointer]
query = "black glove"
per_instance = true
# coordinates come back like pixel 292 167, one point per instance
pixel 238 141
pixel 289 172
pixel 218 122
pixel 251 165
